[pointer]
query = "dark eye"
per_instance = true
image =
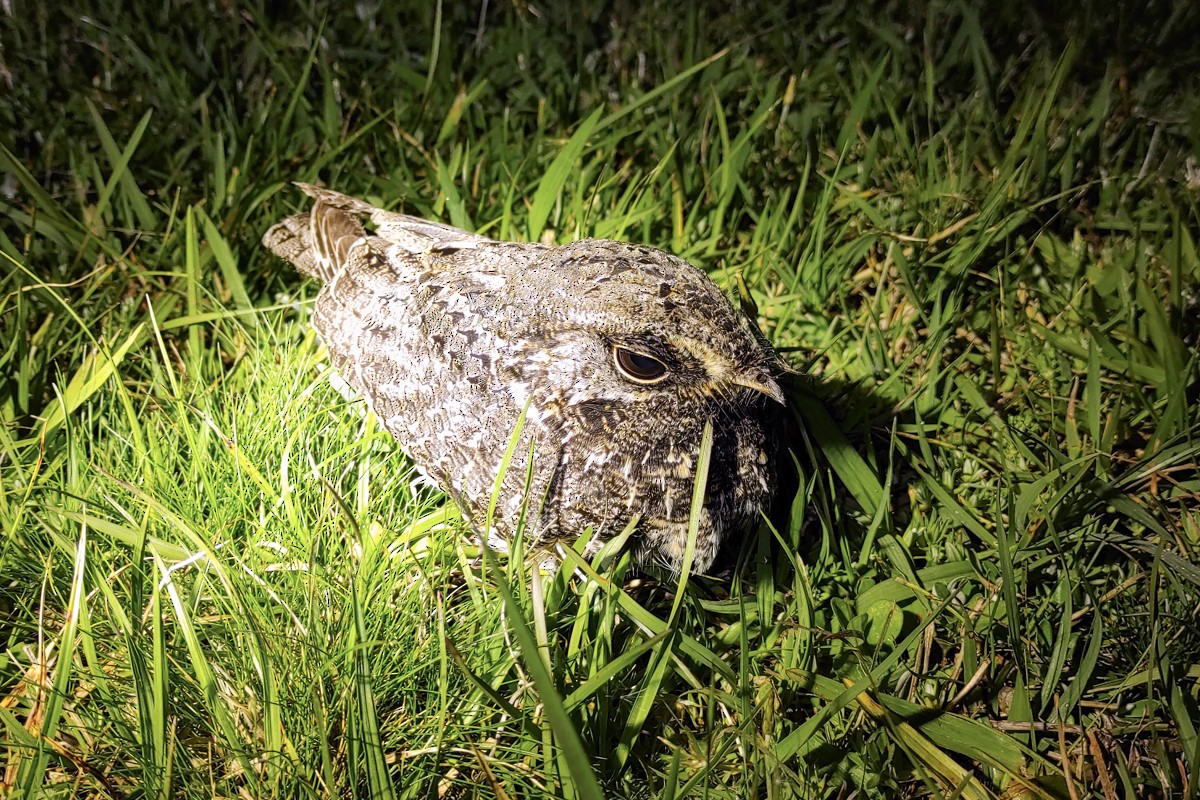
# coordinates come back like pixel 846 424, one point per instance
pixel 639 367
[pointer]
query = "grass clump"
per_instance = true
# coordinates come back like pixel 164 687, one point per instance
pixel 973 233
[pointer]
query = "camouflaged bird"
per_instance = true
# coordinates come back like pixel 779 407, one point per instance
pixel 619 352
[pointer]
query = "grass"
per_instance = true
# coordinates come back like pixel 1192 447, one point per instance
pixel 972 230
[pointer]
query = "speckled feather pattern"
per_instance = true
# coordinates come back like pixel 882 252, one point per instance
pixel 449 335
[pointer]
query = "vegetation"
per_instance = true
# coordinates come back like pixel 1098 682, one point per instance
pixel 972 229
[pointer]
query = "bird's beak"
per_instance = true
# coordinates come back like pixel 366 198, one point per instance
pixel 761 382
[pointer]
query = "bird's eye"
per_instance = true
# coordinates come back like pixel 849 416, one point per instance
pixel 639 367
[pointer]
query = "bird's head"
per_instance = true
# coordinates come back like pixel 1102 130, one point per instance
pixel 640 325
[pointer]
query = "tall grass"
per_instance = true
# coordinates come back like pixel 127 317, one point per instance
pixel 971 231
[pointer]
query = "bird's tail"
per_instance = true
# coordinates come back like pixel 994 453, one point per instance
pixel 317 242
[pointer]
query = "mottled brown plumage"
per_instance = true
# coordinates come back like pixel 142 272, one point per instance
pixel 620 353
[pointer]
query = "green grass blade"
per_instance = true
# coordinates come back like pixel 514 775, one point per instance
pixel 119 161
pixel 551 185
pixel 230 274
pixel 699 488
pixel 198 659
pixel 378 781
pixel 32 772
pixel 567 738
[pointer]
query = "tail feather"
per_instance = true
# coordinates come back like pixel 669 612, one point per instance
pixel 333 232
pixel 413 234
pixel 317 243
pixel 290 240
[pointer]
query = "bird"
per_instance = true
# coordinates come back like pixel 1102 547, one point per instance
pixel 594 366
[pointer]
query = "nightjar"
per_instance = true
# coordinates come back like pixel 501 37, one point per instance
pixel 618 354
